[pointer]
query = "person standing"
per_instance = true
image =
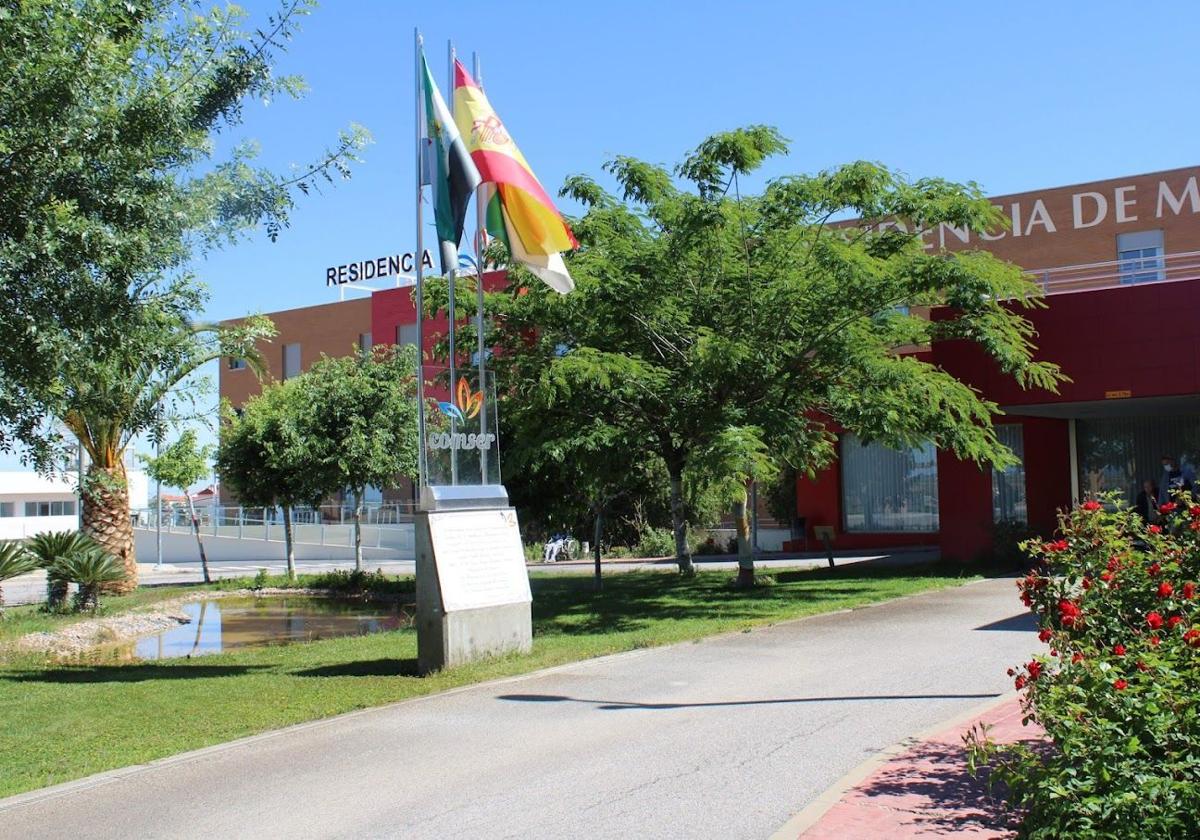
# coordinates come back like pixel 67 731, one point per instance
pixel 1147 502
pixel 1174 479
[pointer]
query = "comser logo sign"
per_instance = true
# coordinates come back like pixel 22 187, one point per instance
pixel 466 404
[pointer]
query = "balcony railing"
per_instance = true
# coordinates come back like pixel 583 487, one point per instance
pixel 1167 268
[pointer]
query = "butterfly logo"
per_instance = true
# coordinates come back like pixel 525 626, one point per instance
pixel 466 404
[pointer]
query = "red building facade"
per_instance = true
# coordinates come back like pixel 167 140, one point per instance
pixel 1119 262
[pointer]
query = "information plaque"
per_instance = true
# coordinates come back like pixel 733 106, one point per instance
pixel 480 562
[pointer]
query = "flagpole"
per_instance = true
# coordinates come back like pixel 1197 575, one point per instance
pixel 422 462
pixel 450 308
pixel 480 240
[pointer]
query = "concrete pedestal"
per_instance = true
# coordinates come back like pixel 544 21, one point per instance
pixel 454 636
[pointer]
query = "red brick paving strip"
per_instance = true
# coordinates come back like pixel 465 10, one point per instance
pixel 926 791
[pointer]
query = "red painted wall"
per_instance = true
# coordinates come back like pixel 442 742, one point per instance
pixel 1143 339
pixel 393 307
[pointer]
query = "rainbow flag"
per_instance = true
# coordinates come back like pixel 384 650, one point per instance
pixel 519 212
pixel 447 167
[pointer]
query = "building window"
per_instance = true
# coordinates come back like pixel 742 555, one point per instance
pixel 50 508
pixel 1141 256
pixel 886 490
pixel 6 509
pixel 1008 486
pixel 364 341
pixel 406 334
pixel 237 364
pixel 291 360
pixel 1124 454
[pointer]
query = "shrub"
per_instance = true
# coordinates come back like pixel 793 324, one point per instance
pixel 49 549
pixel 1118 691
pixel 15 559
pixel 656 542
pixel 91 568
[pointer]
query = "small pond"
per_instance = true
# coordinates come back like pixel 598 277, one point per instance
pixel 230 623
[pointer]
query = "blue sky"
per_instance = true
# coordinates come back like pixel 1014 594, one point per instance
pixel 1012 95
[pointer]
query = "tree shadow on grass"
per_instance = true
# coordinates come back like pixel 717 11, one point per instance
pixel 406 667
pixel 631 601
pixel 129 673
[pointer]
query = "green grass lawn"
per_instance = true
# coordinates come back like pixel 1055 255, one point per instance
pixel 64 722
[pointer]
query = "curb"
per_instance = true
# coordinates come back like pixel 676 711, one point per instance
pixel 116 774
pixel 812 813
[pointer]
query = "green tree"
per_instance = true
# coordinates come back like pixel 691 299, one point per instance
pixel 110 181
pixel 361 419
pixel 699 310
pixel 181 465
pixel 267 458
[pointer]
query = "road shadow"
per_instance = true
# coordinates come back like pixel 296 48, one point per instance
pixel 406 667
pixel 614 705
pixel 1025 621
pixel 129 673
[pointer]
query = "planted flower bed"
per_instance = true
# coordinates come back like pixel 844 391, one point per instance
pixel 1118 689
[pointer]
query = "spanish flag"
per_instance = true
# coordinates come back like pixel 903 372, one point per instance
pixel 447 167
pixel 520 212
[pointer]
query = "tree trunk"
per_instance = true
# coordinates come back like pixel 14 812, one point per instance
pixel 288 542
pixel 358 532
pixel 57 589
pixel 745 554
pixel 199 541
pixel 106 520
pixel 597 533
pixel 682 555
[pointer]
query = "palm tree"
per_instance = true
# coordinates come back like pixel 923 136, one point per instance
pixel 118 391
pixel 15 560
pixel 47 549
pixel 92 569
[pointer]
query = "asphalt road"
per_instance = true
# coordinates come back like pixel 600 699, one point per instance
pixel 725 738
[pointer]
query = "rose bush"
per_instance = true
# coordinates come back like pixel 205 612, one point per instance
pixel 1118 688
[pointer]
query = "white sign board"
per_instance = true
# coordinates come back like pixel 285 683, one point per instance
pixel 479 559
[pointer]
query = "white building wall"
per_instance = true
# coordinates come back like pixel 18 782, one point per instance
pixel 19 487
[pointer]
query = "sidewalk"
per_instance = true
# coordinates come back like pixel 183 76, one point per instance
pixel 924 791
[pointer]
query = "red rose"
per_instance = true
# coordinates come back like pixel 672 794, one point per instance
pixel 1090 504
pixel 1154 641
pixel 1120 685
pixel 1069 614
pixel 1189 590
pixel 1165 589
pixel 1154 569
pixel 1173 622
pixel 1019 682
pixel 1167 508
pixel 1086 583
pixel 1194 510
pixel 1077 658
pixel 1118 650
pixel 1154 620
pixel 1192 637
pixel 1114 563
pixel 1154 529
pixel 1057 546
pixel 1045 634
pixel 1142 666
pixel 1106 576
pixel 1035 668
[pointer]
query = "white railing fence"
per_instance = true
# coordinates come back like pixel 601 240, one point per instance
pixel 383 525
